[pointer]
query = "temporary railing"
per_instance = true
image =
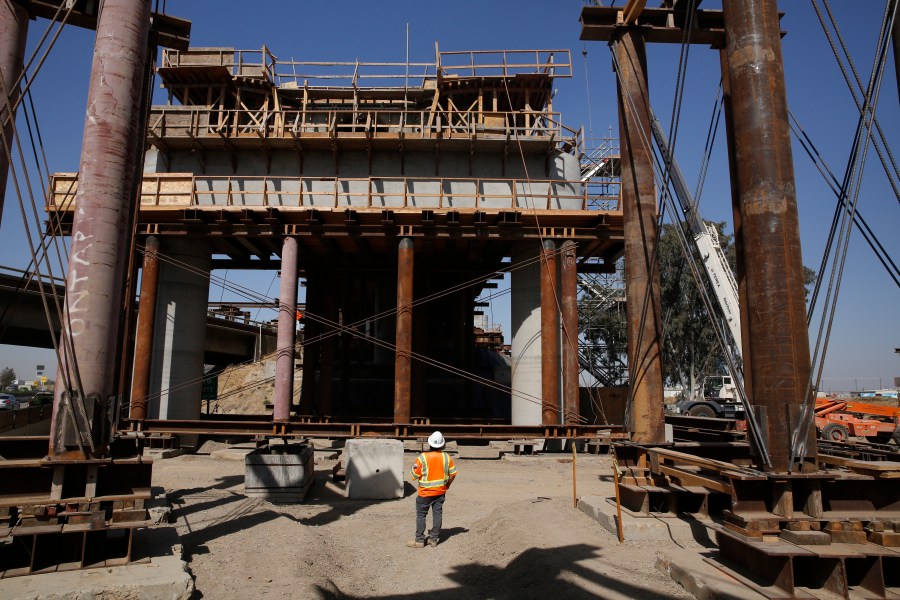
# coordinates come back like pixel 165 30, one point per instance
pixel 176 190
pixel 205 121
pixel 486 63
pixel 247 63
pixel 479 63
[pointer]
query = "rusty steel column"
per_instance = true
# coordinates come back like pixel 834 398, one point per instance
pixel 329 311
pixel 104 201
pixel 287 331
pixel 896 39
pixel 143 351
pixel 568 284
pixel 639 209
pixel 740 271
pixel 311 346
pixel 550 411
pixel 778 344
pixel 13 32
pixel 403 360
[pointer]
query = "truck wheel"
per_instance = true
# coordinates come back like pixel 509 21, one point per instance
pixel 881 438
pixel 835 432
pixel 701 410
pixel 896 436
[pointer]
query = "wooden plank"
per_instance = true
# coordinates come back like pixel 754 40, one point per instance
pixel 633 10
pixel 695 479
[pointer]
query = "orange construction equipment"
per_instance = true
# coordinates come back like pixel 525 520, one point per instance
pixel 838 419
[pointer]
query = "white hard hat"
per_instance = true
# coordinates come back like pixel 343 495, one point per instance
pixel 436 440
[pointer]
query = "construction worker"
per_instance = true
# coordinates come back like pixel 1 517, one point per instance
pixel 434 471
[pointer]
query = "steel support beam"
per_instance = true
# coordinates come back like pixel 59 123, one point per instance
pixel 550 412
pixel 97 259
pixel 568 284
pixel 329 310
pixel 287 331
pixel 403 360
pixel 640 216
pixel 143 351
pixel 896 39
pixel 13 32
pixel 778 343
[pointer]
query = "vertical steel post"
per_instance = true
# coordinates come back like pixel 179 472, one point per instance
pixel 896 39
pixel 13 32
pixel 640 215
pixel 326 355
pixel 568 283
pixel 740 270
pixel 109 155
pixel 403 360
pixel 778 344
pixel 287 331
pixel 311 347
pixel 143 351
pixel 550 411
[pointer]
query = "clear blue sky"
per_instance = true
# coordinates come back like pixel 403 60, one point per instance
pixel 867 327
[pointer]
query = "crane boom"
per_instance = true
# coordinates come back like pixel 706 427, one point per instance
pixel 706 239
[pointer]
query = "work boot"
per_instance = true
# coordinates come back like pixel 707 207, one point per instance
pixel 432 542
pixel 415 544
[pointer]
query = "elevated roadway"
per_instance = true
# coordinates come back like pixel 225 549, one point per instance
pixel 23 322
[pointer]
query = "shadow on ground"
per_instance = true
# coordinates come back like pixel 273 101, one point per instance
pixel 535 573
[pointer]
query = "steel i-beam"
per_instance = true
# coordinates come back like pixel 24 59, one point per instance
pixel 640 215
pixel 778 343
pixel 97 261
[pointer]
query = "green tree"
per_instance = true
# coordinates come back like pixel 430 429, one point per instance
pixel 690 348
pixel 7 376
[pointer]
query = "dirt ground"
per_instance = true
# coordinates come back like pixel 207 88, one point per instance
pixel 510 531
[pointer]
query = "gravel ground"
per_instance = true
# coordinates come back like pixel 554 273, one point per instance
pixel 510 531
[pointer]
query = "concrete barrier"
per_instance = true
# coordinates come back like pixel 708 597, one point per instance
pixel 374 469
pixel 279 473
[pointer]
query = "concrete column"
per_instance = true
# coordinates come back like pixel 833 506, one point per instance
pixel 778 343
pixel 640 214
pixel 287 331
pixel 13 32
pixel 98 254
pixel 180 337
pixel 525 313
pixel 403 361
pixel 140 382
pixel 550 408
pixel 568 284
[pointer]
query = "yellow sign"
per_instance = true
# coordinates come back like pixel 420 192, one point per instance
pixel 43 379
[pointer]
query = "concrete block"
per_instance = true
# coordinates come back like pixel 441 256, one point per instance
pixel 806 538
pixel 374 469
pixel 279 473
pixel 637 528
pixel 701 579
pixel 161 453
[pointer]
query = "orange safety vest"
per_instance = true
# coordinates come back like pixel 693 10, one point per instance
pixel 433 470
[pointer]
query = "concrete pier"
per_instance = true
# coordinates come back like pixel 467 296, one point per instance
pixel 179 339
pixel 526 337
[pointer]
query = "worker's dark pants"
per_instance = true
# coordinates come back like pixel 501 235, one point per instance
pixel 423 503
